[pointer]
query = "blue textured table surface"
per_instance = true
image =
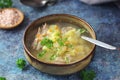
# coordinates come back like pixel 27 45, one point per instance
pixel 105 20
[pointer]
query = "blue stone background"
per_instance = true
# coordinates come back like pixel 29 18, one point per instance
pixel 105 20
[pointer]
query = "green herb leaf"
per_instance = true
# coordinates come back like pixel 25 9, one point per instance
pixel 58 34
pixel 60 42
pixel 21 63
pixel 5 3
pixel 65 39
pixel 2 78
pixel 67 60
pixel 47 42
pixel 87 75
pixel 41 54
pixel 53 57
pixel 82 30
pixel 70 45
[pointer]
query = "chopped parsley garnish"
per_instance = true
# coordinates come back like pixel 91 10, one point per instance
pixel 87 75
pixel 53 57
pixel 58 34
pixel 70 45
pixel 60 42
pixel 67 60
pixel 47 42
pixel 21 63
pixel 2 78
pixel 42 53
pixel 82 30
pixel 5 3
pixel 65 39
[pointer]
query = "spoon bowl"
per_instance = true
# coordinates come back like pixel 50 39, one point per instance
pixel 37 3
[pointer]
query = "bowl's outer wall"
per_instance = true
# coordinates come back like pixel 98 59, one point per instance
pixel 57 70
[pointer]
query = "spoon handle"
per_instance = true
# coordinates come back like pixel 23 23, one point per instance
pixel 99 43
pixel 51 2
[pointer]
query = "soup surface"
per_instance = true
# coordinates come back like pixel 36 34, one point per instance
pixel 60 44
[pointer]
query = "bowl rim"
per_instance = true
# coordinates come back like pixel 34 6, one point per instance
pixel 21 14
pixel 53 64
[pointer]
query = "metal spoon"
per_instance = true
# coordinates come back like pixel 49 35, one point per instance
pixel 38 3
pixel 99 43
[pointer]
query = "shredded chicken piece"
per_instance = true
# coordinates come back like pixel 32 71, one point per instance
pixel 40 34
pixel 65 29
